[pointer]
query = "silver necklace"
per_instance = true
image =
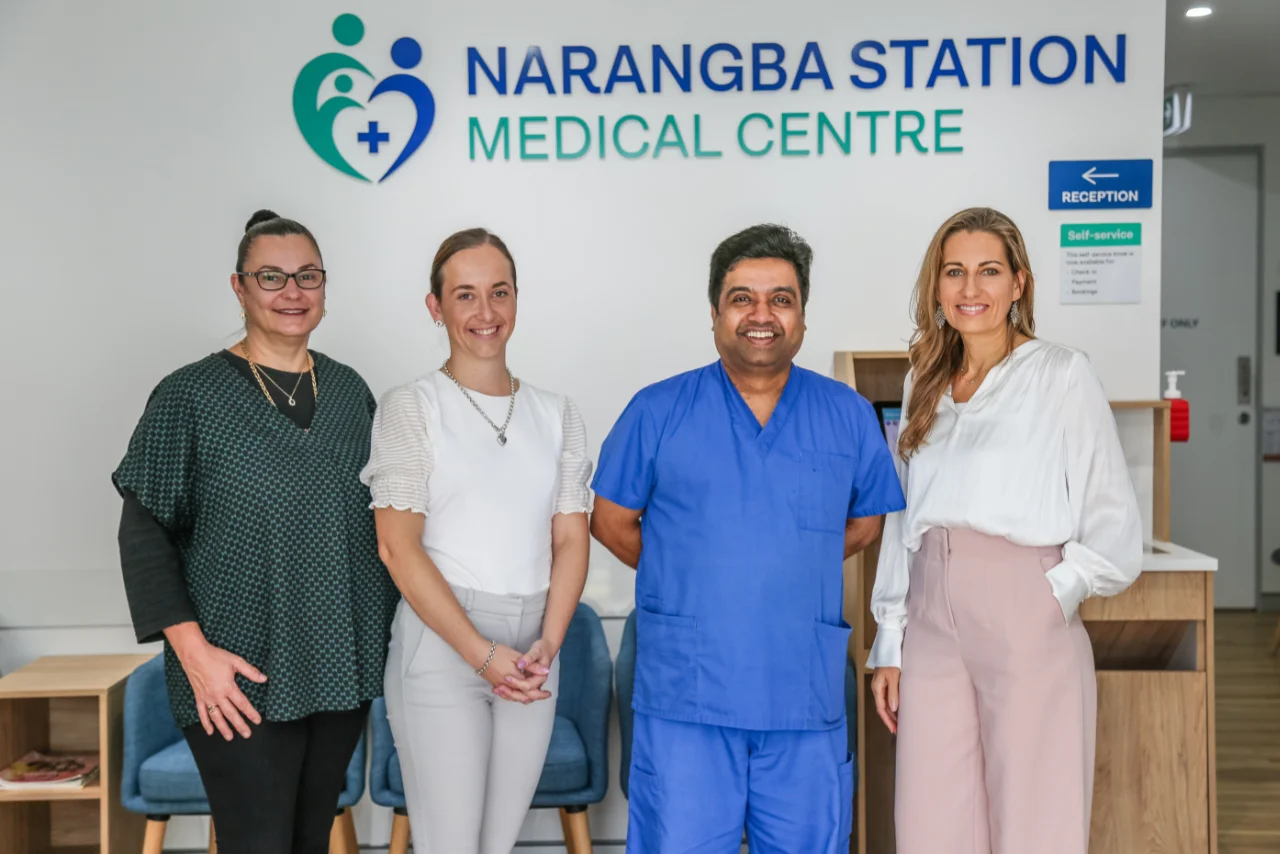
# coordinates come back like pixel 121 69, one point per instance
pixel 501 431
pixel 291 396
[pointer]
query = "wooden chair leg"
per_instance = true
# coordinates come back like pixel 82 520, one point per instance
pixel 153 842
pixel 337 838
pixel 577 833
pixel 399 833
pixel 349 831
pixel 213 838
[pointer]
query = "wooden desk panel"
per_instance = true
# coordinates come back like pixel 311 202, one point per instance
pixel 1154 596
pixel 1149 795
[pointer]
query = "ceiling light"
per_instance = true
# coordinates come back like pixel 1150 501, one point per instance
pixel 1199 12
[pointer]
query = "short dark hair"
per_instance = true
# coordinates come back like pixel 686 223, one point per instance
pixel 761 241
pixel 467 239
pixel 265 223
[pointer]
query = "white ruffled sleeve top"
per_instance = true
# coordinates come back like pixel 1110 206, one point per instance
pixel 1033 457
pixel 488 506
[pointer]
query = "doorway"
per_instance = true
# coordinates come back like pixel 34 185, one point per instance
pixel 1210 328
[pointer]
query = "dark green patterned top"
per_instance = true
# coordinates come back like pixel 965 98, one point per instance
pixel 277 538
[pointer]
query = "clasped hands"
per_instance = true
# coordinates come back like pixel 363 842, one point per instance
pixel 519 677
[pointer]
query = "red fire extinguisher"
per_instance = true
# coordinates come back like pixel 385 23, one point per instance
pixel 1179 409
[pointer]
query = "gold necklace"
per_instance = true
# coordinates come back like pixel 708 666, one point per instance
pixel 311 367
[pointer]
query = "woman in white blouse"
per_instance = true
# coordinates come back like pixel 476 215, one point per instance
pixel 479 485
pixel 1019 506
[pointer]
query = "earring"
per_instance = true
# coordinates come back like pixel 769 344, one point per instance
pixel 325 313
pixel 940 317
pixel 242 315
pixel 439 323
pixel 1015 316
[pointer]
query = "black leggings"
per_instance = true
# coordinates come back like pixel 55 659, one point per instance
pixel 277 792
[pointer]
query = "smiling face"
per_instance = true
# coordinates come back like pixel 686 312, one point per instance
pixel 976 285
pixel 477 302
pixel 290 312
pixel 759 323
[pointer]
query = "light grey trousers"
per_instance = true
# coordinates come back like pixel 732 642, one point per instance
pixel 470 760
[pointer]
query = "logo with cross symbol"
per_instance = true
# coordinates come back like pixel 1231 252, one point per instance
pixel 323 91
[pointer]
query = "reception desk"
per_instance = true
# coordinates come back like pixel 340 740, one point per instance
pixel 1154 788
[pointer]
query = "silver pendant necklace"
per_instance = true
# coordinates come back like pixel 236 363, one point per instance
pixel 501 431
pixel 291 396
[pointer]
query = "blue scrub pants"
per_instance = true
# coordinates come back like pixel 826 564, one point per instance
pixel 694 787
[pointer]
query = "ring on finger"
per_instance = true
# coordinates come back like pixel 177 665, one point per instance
pixel 212 707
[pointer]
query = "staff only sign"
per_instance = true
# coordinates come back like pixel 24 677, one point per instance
pixel 579 80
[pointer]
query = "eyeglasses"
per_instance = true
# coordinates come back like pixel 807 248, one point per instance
pixel 275 280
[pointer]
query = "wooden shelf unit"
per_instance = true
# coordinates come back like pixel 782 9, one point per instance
pixel 1154 776
pixel 88 793
pixel 68 704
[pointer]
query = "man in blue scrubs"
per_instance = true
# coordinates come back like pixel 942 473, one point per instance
pixel 748 482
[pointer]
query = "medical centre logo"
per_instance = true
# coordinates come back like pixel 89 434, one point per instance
pixel 316 109
pixel 619 102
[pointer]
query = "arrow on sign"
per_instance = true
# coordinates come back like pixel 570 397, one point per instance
pixel 1094 173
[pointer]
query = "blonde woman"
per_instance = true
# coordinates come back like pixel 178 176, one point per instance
pixel 480 484
pixel 1019 507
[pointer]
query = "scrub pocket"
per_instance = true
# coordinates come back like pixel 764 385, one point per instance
pixel 825 489
pixel 666 663
pixel 846 773
pixel 830 652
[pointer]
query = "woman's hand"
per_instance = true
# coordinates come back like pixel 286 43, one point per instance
pixel 884 687
pixel 508 678
pixel 535 667
pixel 212 674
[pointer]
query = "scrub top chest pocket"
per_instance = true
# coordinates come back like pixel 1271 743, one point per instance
pixel 824 490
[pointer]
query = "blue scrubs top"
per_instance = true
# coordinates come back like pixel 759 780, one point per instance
pixel 740 588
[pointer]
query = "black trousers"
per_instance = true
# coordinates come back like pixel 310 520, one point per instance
pixel 277 791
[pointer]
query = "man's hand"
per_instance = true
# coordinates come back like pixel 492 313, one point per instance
pixel 618 530
pixel 860 533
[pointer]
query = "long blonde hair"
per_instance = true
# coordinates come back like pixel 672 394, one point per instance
pixel 937 354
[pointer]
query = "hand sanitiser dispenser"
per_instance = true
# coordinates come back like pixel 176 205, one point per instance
pixel 1179 409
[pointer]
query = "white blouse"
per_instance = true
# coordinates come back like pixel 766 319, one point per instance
pixel 489 506
pixel 1034 457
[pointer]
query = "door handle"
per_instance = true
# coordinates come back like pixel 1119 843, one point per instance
pixel 1244 381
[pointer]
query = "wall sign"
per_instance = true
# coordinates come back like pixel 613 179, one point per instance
pixel 576 102
pixel 1100 184
pixel 1101 263
pixel 1177 113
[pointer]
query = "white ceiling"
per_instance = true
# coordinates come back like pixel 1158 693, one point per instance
pixel 1236 50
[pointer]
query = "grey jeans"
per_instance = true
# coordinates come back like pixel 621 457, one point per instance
pixel 470 760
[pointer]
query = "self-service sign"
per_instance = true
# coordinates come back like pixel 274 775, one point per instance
pixel 1099 184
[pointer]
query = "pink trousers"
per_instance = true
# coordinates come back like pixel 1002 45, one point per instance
pixel 998 705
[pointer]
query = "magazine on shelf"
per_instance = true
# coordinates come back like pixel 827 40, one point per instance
pixel 39 770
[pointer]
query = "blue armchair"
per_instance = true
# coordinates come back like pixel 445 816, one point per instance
pixel 159 776
pixel 577 768
pixel 625 676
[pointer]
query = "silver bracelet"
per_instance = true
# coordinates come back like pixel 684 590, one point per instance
pixel 493 647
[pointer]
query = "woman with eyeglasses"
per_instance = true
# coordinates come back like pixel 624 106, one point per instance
pixel 480 484
pixel 247 544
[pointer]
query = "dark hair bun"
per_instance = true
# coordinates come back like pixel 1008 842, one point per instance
pixel 261 216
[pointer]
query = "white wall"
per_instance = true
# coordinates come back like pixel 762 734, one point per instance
pixel 143 134
pixel 1254 121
